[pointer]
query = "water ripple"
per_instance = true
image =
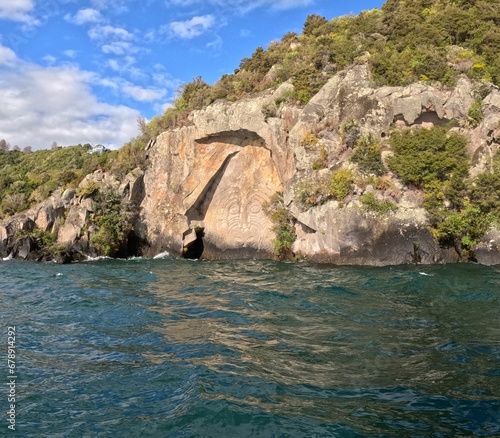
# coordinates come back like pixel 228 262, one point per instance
pixel 171 348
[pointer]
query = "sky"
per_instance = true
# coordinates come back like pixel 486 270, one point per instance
pixel 83 71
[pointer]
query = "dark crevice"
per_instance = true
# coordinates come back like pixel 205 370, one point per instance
pixel 430 117
pixel 241 137
pixel 199 209
pixel 194 249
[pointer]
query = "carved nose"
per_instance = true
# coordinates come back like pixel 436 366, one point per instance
pixel 244 217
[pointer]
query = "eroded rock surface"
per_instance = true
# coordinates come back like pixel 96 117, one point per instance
pixel 218 171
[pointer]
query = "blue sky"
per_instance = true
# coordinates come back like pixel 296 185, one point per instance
pixel 76 71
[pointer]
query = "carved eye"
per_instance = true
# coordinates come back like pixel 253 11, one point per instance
pixel 234 209
pixel 255 208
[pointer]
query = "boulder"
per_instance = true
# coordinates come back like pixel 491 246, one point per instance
pixel 23 247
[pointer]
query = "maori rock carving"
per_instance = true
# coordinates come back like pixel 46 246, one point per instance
pixel 234 218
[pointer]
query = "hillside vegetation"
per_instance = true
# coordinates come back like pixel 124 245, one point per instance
pixel 404 42
pixel 28 178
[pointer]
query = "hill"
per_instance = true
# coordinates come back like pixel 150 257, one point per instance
pixel 403 42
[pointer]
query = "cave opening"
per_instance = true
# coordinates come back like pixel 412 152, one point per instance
pixel 194 250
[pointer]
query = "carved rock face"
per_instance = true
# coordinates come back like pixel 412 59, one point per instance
pixel 235 218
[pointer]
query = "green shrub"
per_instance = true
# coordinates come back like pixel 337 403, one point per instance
pixel 485 188
pixel 475 112
pixel 463 229
pixel 43 239
pixel 340 184
pixel 367 156
pixel 283 226
pixel 30 178
pixel 311 192
pixel 88 190
pixel 309 141
pixel 379 207
pixel 350 133
pixel 322 161
pixel 269 110
pixel 113 219
pixel 423 156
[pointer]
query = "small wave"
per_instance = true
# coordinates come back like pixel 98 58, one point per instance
pixel 427 275
pixel 95 259
pixel 9 257
pixel 162 255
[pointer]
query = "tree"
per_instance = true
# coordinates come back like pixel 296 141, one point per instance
pixel 313 23
pixel 4 146
pixel 143 126
pixel 54 146
pixel 16 148
pixel 27 150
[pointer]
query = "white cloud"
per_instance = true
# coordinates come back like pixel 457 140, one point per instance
pixel 143 94
pixel 216 44
pixel 39 105
pixel 7 56
pixel 113 40
pixel 70 53
pixel 122 65
pixel 84 16
pixel 17 10
pixel 244 6
pixel 192 28
pixel 166 80
pixel 290 4
pixel 119 48
pixel 49 59
pixel 116 6
pixel 107 32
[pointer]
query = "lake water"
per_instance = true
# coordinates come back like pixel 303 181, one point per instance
pixel 175 348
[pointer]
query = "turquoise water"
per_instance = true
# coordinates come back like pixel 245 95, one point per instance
pixel 174 348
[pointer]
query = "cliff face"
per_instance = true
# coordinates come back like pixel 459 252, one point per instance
pixel 218 171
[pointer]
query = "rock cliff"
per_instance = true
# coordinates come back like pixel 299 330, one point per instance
pixel 220 170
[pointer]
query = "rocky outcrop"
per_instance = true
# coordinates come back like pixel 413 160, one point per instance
pixel 220 170
pixel 65 218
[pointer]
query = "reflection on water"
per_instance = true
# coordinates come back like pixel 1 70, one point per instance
pixel 315 345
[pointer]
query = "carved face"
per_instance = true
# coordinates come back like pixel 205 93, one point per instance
pixel 235 215
pixel 243 214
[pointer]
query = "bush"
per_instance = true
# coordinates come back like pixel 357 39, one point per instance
pixel 88 190
pixel 485 188
pixel 283 226
pixel 310 193
pixel 36 175
pixel 113 220
pixel 309 140
pixel 350 133
pixel 475 112
pixel 379 207
pixel 341 184
pixel 367 156
pixel 322 161
pixel 463 229
pixel 423 157
pixel 269 110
